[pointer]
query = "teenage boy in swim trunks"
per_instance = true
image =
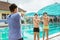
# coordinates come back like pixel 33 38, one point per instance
pixel 46 23
pixel 36 22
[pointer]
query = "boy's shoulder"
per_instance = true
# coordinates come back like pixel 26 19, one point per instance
pixel 13 15
pixel 16 14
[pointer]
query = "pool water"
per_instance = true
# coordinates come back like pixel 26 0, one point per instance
pixel 27 31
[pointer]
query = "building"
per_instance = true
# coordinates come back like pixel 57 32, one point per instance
pixel 4 9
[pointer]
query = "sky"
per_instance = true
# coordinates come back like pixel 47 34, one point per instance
pixel 32 5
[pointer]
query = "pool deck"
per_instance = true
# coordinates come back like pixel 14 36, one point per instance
pixel 55 36
pixel 3 25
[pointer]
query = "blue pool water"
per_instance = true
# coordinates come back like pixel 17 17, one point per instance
pixel 27 31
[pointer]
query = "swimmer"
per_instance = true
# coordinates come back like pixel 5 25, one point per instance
pixel 36 22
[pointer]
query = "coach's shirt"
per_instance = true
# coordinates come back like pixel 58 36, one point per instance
pixel 14 26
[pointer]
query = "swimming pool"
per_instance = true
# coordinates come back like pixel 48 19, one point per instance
pixel 27 31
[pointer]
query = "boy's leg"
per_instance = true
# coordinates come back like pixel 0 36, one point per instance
pixel 47 34
pixel 35 35
pixel 38 35
pixel 43 34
